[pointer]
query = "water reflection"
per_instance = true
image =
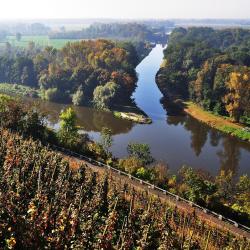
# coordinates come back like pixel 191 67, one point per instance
pixel 175 140
pixel 229 152
pixel 198 136
pixel 229 155
pixel 89 119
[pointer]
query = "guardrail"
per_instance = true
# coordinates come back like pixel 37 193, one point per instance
pixel 150 185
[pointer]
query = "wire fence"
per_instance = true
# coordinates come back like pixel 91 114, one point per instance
pixel 174 197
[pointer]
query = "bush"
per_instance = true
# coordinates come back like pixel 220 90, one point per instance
pixel 144 173
pixel 140 151
pixel 130 164
pixel 245 120
pixel 53 95
pixel 103 95
pixel 78 97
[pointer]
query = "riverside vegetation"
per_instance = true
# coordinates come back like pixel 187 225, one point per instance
pixel 210 68
pixel 99 73
pixel 225 193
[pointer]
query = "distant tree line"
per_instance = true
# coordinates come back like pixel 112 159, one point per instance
pixel 83 72
pixel 124 31
pixel 32 29
pixel 210 67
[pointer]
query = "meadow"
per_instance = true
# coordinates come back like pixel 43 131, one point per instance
pixel 39 40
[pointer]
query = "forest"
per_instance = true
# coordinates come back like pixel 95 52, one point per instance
pixel 211 68
pixel 99 72
pixel 122 31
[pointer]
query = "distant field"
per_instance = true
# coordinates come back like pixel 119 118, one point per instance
pixel 40 40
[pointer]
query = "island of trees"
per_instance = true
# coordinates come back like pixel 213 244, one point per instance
pixel 211 68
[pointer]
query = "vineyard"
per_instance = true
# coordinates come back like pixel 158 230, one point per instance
pixel 48 202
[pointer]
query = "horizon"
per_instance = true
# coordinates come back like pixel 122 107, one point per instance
pixel 130 9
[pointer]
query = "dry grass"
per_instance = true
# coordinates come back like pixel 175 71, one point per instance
pixel 223 124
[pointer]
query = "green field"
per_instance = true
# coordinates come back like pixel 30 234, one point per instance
pixel 39 40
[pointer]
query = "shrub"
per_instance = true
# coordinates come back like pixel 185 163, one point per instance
pixel 140 151
pixel 78 97
pixel 130 164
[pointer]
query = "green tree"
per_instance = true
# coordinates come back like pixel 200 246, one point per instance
pixel 106 139
pixel 78 97
pixel 130 164
pixel 144 173
pixel 140 151
pixel 243 194
pixel 67 133
pixel 226 186
pixel 198 188
pixel 103 95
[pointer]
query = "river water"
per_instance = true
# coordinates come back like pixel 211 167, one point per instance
pixel 175 140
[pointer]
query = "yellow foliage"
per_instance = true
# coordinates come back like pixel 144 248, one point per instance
pixel 237 99
pixel 11 243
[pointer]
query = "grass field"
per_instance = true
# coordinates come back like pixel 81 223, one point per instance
pixel 39 40
pixel 218 122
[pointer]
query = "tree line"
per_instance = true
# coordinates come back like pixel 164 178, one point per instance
pixel 99 72
pixel 121 31
pixel 210 67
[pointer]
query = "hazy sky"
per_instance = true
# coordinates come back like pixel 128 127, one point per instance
pixel 28 9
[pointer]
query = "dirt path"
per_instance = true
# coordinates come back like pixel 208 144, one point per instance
pixel 181 205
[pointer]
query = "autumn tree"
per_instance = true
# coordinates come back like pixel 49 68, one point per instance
pixel 237 100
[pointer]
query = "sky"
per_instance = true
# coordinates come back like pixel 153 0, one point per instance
pixel 36 9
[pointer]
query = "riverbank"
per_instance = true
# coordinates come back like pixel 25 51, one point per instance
pixel 218 122
pixel 130 113
pixel 18 90
pixel 141 119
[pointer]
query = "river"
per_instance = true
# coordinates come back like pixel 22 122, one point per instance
pixel 175 140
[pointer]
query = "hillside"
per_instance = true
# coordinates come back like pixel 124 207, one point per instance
pixel 50 202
